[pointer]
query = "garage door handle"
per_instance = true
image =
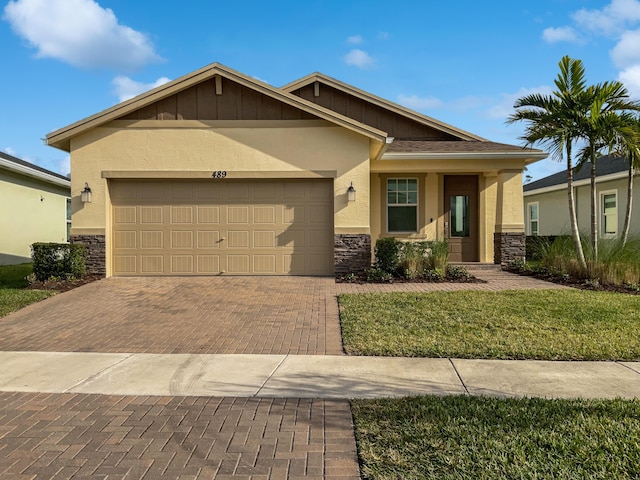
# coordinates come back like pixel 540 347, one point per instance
pixel 222 238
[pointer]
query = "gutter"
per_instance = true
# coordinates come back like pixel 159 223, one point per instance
pixel 34 173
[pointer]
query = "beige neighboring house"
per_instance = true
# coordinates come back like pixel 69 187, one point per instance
pixel 219 173
pixel 35 206
pixel 547 207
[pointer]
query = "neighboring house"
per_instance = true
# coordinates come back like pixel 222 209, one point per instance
pixel 34 207
pixel 547 206
pixel 217 172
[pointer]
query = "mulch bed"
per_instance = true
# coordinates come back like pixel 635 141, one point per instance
pixel 578 283
pixel 361 280
pixel 62 285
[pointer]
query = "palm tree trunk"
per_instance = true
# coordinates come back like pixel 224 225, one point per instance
pixel 627 215
pixel 594 212
pixel 575 232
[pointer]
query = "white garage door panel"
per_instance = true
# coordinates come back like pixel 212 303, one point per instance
pixel 212 227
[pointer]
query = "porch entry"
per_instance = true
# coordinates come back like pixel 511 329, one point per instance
pixel 461 217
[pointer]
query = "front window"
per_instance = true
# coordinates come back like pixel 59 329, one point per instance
pixel 533 218
pixel 402 205
pixel 609 207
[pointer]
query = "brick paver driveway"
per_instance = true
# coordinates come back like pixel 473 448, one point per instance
pixel 254 315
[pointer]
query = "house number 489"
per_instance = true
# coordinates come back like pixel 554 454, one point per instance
pixel 219 174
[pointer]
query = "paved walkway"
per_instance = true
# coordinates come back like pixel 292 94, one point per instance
pixel 161 397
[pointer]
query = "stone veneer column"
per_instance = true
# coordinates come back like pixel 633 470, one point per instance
pixel 509 246
pixel 352 253
pixel 96 253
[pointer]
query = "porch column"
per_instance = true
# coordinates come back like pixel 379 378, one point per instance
pixel 509 237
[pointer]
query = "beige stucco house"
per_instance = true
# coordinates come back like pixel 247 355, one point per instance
pixel 34 207
pixel 546 202
pixel 219 173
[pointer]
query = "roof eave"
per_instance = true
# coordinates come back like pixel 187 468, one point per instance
pixel 525 155
pixel 30 172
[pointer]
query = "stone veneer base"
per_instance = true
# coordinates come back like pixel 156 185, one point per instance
pixel 508 247
pixel 352 253
pixel 96 253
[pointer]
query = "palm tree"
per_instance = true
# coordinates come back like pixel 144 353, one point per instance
pixel 605 128
pixel 554 122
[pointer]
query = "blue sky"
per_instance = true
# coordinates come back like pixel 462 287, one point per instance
pixel 463 63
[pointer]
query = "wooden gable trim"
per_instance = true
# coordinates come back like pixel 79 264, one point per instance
pixel 381 102
pixel 61 138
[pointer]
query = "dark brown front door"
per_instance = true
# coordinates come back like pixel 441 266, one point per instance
pixel 461 217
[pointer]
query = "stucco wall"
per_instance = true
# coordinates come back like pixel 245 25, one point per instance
pixel 190 146
pixel 30 211
pixel 554 208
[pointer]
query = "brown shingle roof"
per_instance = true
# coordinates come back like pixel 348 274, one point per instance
pixel 462 146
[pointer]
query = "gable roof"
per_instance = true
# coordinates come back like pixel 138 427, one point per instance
pixel 608 165
pixel 463 144
pixel 23 167
pixel 381 102
pixel 61 137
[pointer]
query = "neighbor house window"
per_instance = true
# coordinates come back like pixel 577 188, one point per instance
pixel 532 209
pixel 402 205
pixel 68 219
pixel 609 209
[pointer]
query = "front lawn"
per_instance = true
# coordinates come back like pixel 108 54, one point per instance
pixel 13 296
pixel 534 324
pixel 461 437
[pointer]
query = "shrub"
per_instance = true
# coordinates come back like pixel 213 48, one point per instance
pixel 58 260
pixel 433 275
pixel 457 272
pixel 439 254
pixel 413 258
pixel 378 275
pixel 386 255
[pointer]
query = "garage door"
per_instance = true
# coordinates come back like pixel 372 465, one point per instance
pixel 222 226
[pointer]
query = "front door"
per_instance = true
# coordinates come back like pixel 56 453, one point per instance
pixel 461 217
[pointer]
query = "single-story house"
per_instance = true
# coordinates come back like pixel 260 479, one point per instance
pixel 219 173
pixel 35 206
pixel 546 201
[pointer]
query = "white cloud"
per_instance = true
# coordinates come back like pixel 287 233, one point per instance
pixel 11 151
pixel 631 79
pixel 627 50
pixel 81 33
pixel 504 107
pixel 355 39
pixel 612 19
pixel 126 88
pixel 359 58
pixel 560 34
pixel 419 103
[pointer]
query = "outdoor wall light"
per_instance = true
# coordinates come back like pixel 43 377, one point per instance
pixel 351 193
pixel 85 195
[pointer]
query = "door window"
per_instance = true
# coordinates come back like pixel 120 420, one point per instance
pixel 459 211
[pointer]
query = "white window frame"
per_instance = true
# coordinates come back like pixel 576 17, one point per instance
pixel 603 233
pixel 417 204
pixel 67 216
pixel 530 220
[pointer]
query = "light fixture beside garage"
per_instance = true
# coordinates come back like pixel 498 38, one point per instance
pixel 351 193
pixel 85 195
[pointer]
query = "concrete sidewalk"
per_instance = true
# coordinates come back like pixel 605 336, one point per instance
pixel 310 376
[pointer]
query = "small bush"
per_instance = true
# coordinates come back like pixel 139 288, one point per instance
pixel 439 254
pixel 433 275
pixel 58 260
pixel 517 265
pixel 457 272
pixel 377 275
pixel 386 255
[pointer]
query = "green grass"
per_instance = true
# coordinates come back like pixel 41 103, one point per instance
pixel 12 294
pixel 534 324
pixel 15 276
pixel 463 437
